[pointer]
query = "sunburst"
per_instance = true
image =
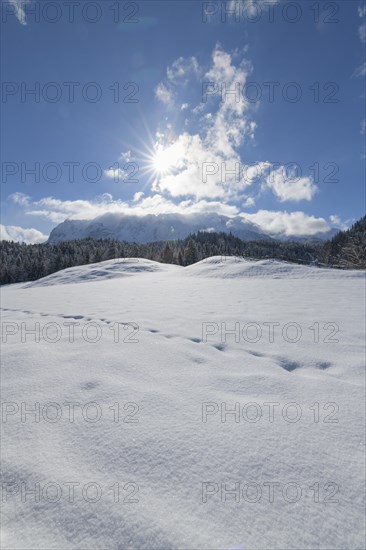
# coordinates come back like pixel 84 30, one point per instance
pixel 162 161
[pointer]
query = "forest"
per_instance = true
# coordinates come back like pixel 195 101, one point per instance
pixel 27 262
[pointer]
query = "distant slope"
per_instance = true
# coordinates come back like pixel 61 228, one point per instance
pixel 151 228
pixel 348 248
pixel 168 227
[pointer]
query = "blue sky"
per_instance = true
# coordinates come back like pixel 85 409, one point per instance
pixel 146 125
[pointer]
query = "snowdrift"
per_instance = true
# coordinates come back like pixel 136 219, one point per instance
pixel 225 267
pixel 228 267
pixel 110 269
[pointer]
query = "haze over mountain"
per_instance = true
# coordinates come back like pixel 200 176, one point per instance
pixel 161 227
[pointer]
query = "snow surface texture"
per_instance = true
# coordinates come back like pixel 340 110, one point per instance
pixel 169 366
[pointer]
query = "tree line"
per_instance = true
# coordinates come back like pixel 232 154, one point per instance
pixel 27 262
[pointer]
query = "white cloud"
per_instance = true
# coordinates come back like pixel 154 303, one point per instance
pixel 54 216
pixel 178 74
pixel 219 133
pixel 334 218
pixel 105 197
pixel 20 234
pixel 337 222
pixel 19 11
pixel 200 171
pixel 115 173
pixel 184 106
pixel 229 125
pixel 363 126
pixel 163 94
pixel 207 163
pixel 288 187
pixel 362 32
pixel 126 156
pixel 273 222
pixel 189 156
pixel 20 198
pixel 291 224
pixel 200 167
pixel 362 28
pixel 249 202
pixel 361 70
pixel 181 68
pixel 222 69
pixel 57 210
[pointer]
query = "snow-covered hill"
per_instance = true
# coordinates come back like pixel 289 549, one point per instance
pixel 149 228
pixel 237 267
pixel 215 406
pixel 228 267
pixel 109 269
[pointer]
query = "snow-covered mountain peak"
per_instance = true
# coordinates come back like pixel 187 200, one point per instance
pixel 150 228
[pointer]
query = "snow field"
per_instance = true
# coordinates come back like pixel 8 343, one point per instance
pixel 225 442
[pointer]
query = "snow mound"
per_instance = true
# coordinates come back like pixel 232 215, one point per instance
pixel 109 269
pixel 222 267
pixel 232 267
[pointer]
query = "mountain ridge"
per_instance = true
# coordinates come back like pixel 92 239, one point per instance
pixel 164 227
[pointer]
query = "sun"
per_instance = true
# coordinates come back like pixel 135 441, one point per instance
pixel 162 161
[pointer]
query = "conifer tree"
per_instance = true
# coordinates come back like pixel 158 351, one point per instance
pixel 167 256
